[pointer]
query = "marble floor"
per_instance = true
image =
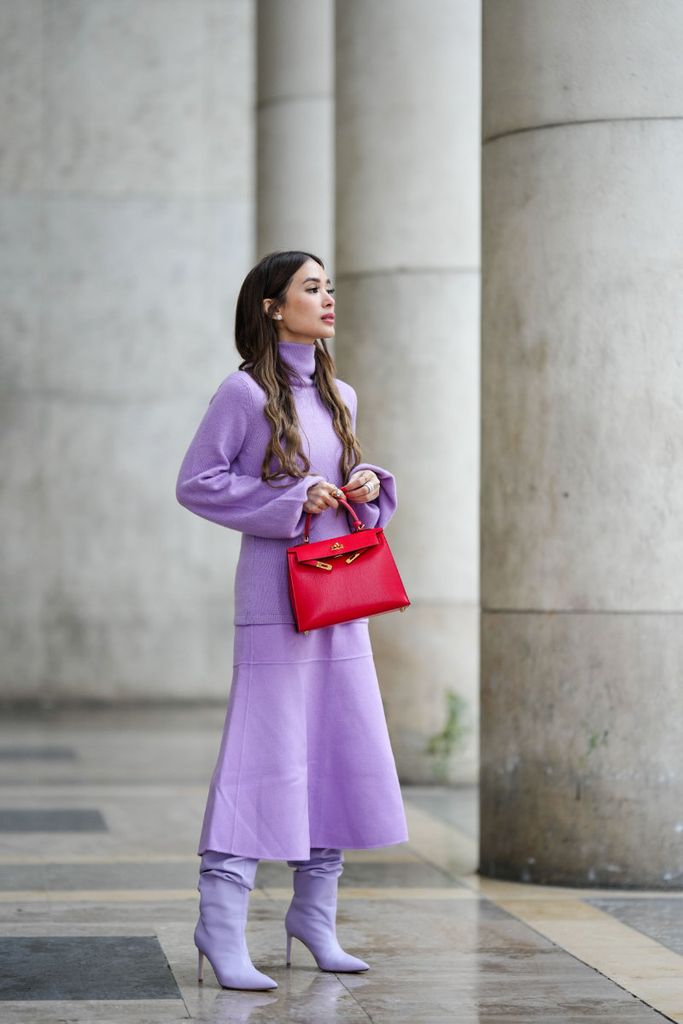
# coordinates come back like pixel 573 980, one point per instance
pixel 100 811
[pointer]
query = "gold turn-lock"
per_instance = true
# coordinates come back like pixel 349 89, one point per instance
pixel 354 556
pixel 328 567
pixel 336 546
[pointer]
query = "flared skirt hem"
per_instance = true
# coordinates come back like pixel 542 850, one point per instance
pixel 305 759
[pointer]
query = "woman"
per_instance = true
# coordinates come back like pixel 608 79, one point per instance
pixel 305 766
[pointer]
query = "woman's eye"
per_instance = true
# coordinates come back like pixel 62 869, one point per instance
pixel 331 291
pixel 311 290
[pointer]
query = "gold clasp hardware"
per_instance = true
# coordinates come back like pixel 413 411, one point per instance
pixel 323 565
pixel 336 546
pixel 353 557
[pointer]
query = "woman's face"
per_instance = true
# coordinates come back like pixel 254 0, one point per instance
pixel 308 310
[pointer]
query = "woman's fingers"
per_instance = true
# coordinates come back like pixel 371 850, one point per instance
pixel 353 490
pixel 356 488
pixel 320 497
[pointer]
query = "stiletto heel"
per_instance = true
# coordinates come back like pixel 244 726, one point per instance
pixel 200 966
pixel 289 949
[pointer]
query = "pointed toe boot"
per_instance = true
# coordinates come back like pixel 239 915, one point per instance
pixel 220 932
pixel 311 919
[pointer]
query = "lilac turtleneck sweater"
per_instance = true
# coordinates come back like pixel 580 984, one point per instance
pixel 220 480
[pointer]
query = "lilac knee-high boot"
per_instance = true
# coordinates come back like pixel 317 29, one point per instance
pixel 225 882
pixel 312 912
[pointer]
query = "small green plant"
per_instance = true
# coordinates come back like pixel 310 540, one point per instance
pixel 442 744
pixel 595 740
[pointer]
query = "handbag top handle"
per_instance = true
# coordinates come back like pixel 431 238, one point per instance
pixel 357 524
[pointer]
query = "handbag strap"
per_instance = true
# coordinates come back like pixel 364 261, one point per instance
pixel 357 524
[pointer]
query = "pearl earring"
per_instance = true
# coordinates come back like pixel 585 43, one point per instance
pixel 278 316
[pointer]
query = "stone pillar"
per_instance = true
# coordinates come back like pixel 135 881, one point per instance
pixel 582 444
pixel 295 127
pixel 407 172
pixel 126 214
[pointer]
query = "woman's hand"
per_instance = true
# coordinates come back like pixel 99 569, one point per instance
pixel 321 496
pixel 362 486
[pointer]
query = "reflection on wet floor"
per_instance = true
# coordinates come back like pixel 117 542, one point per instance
pixel 99 817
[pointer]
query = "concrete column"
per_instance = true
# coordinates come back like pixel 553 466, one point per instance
pixel 407 171
pixel 126 215
pixel 582 556
pixel 295 127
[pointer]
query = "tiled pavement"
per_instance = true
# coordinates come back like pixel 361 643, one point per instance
pixel 99 817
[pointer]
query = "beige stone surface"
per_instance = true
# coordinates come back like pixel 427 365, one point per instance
pixel 581 411
pixel 21 96
pixel 147 97
pixel 581 763
pixel 581 550
pixel 295 126
pixel 407 121
pixel 126 208
pixel 555 63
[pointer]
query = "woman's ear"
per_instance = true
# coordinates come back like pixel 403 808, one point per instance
pixel 268 305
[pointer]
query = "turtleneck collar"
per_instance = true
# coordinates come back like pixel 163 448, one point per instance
pixel 300 356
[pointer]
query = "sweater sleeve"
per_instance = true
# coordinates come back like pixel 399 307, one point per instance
pixel 380 511
pixel 209 485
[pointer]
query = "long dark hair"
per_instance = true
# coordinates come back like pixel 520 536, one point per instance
pixel 256 339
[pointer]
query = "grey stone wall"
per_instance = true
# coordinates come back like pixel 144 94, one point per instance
pixel 582 560
pixel 126 225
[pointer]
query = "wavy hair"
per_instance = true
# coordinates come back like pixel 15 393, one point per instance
pixel 256 339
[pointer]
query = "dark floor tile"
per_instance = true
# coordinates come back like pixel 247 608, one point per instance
pixel 21 876
pixel 85 967
pixel 181 875
pixel 43 753
pixel 418 876
pixel 20 819
pixel 658 917
pixel 122 875
pixel 640 1014
pixel 271 874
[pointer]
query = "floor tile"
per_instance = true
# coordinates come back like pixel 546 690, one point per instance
pixel 444 944
pixel 658 917
pixel 377 875
pixel 37 753
pixel 84 967
pixel 56 819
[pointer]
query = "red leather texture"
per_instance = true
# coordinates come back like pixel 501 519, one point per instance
pixel 325 588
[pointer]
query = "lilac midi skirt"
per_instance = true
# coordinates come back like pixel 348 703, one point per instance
pixel 305 758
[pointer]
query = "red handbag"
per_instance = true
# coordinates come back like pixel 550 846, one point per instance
pixel 343 578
